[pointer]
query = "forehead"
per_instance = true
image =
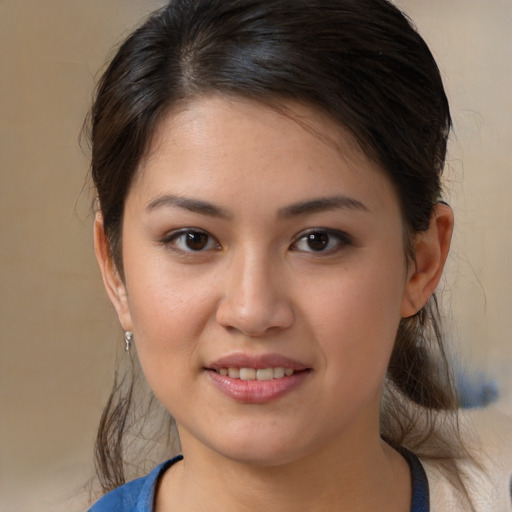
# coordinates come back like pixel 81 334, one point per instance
pixel 214 144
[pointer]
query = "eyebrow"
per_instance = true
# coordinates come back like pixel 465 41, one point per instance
pixel 302 208
pixel 322 204
pixel 185 203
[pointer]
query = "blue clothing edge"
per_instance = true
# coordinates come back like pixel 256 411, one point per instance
pixel 135 496
pixel 139 495
pixel 420 501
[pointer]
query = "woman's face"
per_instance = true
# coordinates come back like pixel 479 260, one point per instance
pixel 266 247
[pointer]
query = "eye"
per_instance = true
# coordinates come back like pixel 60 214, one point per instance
pixel 191 240
pixel 320 241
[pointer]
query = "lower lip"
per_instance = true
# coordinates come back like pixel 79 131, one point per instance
pixel 256 391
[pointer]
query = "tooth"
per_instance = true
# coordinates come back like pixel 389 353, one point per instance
pixel 288 372
pixel 265 374
pixel 247 373
pixel 223 371
pixel 278 372
pixel 234 373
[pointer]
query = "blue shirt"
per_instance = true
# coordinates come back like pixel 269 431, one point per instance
pixel 139 495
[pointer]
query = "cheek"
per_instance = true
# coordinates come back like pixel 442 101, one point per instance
pixel 356 318
pixel 167 324
pixel 169 310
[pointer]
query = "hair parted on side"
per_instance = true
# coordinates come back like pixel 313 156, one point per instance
pixel 361 62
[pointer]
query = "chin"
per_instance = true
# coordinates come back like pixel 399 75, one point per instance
pixel 263 449
pixel 266 458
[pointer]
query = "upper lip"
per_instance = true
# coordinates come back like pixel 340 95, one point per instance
pixel 256 362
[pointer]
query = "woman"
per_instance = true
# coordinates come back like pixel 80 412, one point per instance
pixel 271 233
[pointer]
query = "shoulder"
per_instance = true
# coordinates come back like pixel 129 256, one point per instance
pixel 488 436
pixel 134 496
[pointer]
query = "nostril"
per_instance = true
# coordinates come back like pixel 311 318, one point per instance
pixel 254 318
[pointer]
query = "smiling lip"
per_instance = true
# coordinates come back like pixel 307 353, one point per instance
pixel 256 391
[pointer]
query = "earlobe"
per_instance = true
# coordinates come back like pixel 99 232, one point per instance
pixel 112 281
pixel 430 252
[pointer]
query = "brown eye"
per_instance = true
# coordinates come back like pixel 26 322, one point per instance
pixel 196 240
pixel 317 241
pixel 321 241
pixel 191 240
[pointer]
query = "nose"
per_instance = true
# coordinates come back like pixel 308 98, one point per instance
pixel 254 297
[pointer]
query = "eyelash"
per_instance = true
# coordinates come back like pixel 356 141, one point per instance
pixel 178 240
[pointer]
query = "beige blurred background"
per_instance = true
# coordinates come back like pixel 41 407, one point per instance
pixel 57 331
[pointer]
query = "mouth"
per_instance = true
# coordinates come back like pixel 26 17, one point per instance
pixel 260 374
pixel 257 380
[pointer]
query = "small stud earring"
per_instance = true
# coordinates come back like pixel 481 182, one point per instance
pixel 128 338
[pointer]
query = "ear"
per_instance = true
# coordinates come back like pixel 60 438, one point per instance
pixel 112 281
pixel 430 252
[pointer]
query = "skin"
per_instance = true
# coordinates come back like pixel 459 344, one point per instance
pixel 258 287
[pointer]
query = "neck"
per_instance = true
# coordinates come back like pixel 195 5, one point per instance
pixel 340 478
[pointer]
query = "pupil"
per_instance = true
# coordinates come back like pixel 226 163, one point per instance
pixel 318 241
pixel 196 240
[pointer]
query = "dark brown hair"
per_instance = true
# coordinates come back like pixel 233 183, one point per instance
pixel 360 61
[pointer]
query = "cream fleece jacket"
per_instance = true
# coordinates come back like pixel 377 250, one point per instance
pixel 488 433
